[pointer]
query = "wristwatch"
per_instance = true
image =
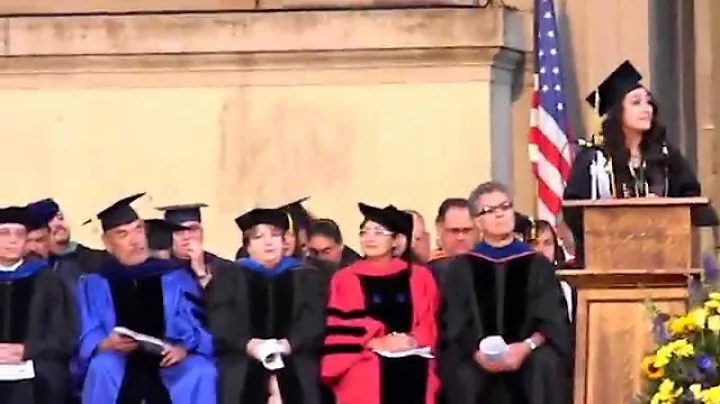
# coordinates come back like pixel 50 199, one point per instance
pixel 531 344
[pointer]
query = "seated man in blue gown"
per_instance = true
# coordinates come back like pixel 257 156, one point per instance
pixel 149 296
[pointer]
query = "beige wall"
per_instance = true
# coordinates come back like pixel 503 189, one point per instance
pixel 401 115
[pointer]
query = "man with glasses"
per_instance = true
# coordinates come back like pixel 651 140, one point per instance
pixel 502 288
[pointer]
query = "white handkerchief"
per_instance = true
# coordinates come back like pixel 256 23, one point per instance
pixel 494 347
pixel 424 352
pixel 21 371
pixel 270 353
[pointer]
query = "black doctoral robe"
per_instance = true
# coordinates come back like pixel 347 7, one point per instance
pixel 213 263
pixel 676 181
pixel 254 302
pixel 76 262
pixel 511 292
pixel 38 310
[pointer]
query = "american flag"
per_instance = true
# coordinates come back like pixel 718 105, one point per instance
pixel 550 151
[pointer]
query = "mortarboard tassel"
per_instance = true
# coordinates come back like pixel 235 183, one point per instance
pixel 291 224
pixel 598 139
pixel 533 229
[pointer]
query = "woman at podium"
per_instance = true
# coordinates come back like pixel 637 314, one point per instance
pixel 628 156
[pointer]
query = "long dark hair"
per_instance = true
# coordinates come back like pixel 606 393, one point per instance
pixel 651 146
pixel 559 254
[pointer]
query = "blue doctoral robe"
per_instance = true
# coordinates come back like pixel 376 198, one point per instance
pixel 193 380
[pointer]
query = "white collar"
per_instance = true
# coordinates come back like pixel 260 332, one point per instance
pixel 12 267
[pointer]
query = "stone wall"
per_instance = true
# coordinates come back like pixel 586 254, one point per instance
pixel 244 109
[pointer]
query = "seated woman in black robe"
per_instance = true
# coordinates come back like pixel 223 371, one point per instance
pixel 271 297
pixel 379 304
pixel 629 157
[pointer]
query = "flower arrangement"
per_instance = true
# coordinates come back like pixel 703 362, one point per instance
pixel 684 368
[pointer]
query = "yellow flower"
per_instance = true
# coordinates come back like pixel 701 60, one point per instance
pixel 714 323
pixel 696 389
pixel 667 393
pixel 678 325
pixel 711 396
pixel 712 304
pixel 663 355
pixel 652 372
pixel 698 317
pixel 680 349
pixel 715 296
pixel 685 324
pixel 683 348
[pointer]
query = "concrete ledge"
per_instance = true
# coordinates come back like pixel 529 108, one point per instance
pixel 60 7
pixel 281 69
pixel 290 31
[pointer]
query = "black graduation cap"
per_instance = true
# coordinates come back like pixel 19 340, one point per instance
pixel 119 213
pixel 611 91
pixel 298 213
pixel 16 215
pixel 183 213
pixel 159 233
pixel 405 220
pixel 389 217
pixel 42 212
pixel 275 217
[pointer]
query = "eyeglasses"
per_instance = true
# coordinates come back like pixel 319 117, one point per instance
pixel 502 207
pixel 375 233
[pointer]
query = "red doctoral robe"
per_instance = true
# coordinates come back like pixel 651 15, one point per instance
pixel 369 301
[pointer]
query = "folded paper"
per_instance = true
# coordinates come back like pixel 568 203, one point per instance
pixel 424 352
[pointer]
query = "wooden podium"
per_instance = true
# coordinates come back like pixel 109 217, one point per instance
pixel 635 249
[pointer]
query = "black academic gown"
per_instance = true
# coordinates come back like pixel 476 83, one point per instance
pixel 212 262
pixel 511 292
pixel 38 310
pixel 677 181
pixel 76 262
pixel 349 256
pixel 252 302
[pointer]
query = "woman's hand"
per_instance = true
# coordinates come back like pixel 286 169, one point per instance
pixel 393 342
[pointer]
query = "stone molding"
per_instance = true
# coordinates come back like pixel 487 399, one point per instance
pixel 247 49
pixel 26 7
pixel 290 31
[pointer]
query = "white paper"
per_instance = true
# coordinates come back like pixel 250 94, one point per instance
pixel 14 372
pixel 148 342
pixel 424 352
pixel 494 347
pixel 270 353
